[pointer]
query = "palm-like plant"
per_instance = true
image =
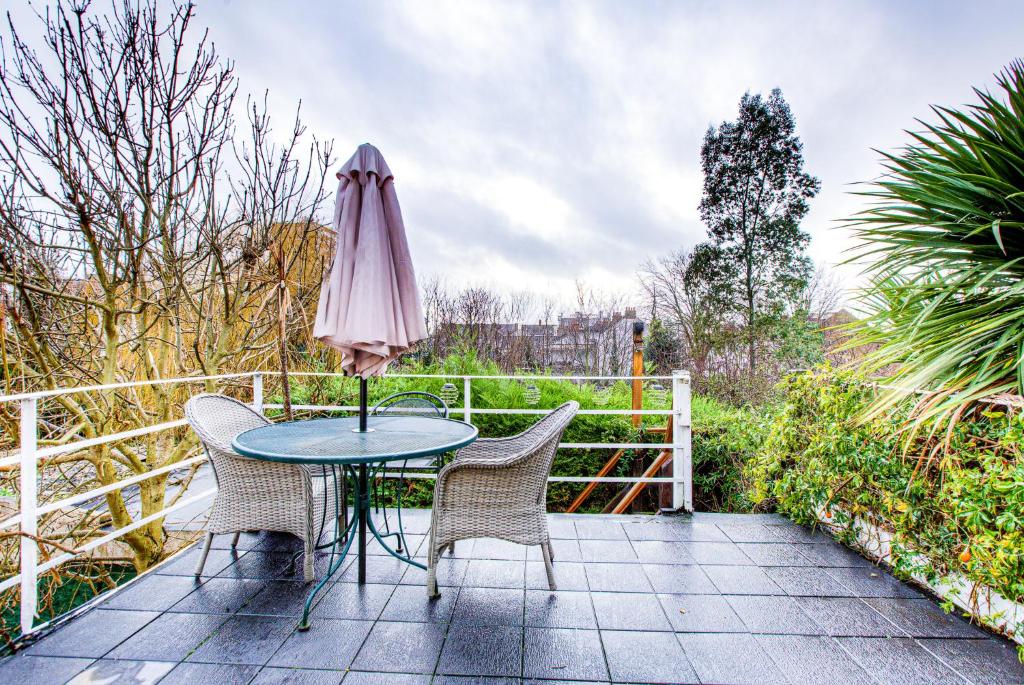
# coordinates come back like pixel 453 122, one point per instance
pixel 944 240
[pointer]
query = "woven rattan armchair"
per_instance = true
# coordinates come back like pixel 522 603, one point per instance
pixel 254 494
pixel 497 488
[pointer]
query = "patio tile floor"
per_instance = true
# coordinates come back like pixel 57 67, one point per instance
pixel 713 598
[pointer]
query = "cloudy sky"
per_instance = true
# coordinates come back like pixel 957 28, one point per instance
pixel 534 144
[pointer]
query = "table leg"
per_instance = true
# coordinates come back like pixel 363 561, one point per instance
pixel 364 510
pixel 339 550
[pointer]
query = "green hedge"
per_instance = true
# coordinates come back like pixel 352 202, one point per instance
pixel 956 497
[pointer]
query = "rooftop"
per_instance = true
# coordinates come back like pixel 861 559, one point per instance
pixel 712 598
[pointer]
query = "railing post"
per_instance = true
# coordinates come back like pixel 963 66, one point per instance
pixel 257 392
pixel 467 392
pixel 682 457
pixel 29 523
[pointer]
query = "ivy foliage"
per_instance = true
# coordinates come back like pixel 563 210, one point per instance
pixel 954 502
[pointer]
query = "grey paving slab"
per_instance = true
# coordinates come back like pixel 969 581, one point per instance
pixel 220 596
pixel 259 565
pixel 333 645
pixel 848 616
pixel 222 674
pixel 813 660
pixel 489 606
pixel 775 553
pixel 700 532
pixel 567 653
pixel 450 573
pixel 900 661
pixel 872 582
pixel 831 555
pixel 651 530
pixel 985 662
pixel 410 603
pixel 295 676
pixel 924 618
pixel 401 648
pixel 25 669
pixel 718 553
pixel 351 600
pixel 599 529
pixel 742 580
pixel 93 634
pixel 748 532
pixel 561 527
pixel 660 552
pixel 185 564
pixel 617 578
pixel 607 551
pixel 564 550
pixel 729 659
pixel 495 573
pixel 791 532
pixel 171 637
pixel 482 651
pixel 701 614
pixel 153 593
pixel 120 671
pixel 244 640
pixel 644 657
pixel 568 576
pixel 689 579
pixel 367 678
pixel 477 680
pixel 779 615
pixel 278 598
pixel 629 611
pixel 559 609
pixel 807 581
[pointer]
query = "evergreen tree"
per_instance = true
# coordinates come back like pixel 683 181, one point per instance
pixel 755 194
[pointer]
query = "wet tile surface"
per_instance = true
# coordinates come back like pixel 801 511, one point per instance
pixel 714 598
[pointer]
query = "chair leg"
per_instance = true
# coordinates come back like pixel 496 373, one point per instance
pixel 551 550
pixel 548 568
pixel 234 540
pixel 451 548
pixel 307 563
pixel 203 554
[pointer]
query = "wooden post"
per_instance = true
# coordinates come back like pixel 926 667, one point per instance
pixel 638 370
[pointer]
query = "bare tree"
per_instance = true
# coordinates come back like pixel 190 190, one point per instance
pixel 136 234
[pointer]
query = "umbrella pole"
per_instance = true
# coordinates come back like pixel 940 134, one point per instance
pixel 362 404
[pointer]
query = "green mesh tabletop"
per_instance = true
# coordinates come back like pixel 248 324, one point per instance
pixel 333 441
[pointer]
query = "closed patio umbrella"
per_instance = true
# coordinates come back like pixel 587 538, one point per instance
pixel 369 305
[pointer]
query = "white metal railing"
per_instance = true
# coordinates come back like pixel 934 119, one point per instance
pixel 29 454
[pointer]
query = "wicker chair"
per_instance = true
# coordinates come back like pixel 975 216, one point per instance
pixel 254 494
pixel 497 488
pixel 409 403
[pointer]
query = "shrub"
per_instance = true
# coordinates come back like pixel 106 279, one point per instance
pixel 959 509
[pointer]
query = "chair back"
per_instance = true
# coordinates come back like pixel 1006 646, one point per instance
pixel 217 419
pixel 412 403
pixel 545 434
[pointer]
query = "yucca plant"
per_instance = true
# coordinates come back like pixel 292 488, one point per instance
pixel 943 241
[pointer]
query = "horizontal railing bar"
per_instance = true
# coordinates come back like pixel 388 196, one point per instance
pixel 476 410
pixel 119 485
pixel 57 450
pixel 113 535
pixel 42 394
pixel 395 475
pixel 534 377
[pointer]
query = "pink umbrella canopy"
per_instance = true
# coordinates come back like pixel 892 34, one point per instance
pixel 369 304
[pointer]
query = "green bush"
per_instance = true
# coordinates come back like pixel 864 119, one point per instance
pixel 956 497
pixel 725 439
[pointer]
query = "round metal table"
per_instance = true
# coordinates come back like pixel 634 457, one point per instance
pixel 338 443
